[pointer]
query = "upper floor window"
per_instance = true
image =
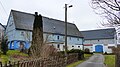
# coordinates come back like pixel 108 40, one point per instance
pixel 52 34
pixel 70 38
pixel 58 37
pixel 22 33
pixel 118 34
pixel 63 37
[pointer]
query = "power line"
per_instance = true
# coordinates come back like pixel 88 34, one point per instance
pixel 70 1
pixel 3 8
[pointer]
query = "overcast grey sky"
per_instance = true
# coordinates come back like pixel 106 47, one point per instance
pixel 80 14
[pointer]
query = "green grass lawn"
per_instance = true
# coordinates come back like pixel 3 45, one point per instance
pixel 12 55
pixel 87 55
pixel 76 63
pixel 110 60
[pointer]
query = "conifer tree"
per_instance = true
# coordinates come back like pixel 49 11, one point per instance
pixel 4 46
pixel 37 36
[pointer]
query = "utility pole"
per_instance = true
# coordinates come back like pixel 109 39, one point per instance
pixel 66 30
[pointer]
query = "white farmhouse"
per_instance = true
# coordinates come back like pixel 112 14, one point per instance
pixel 20 25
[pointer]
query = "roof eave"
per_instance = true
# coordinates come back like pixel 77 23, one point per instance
pixel 50 33
pixel 99 38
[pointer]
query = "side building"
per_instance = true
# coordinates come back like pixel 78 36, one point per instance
pixel 100 40
pixel 20 25
pixel 2 30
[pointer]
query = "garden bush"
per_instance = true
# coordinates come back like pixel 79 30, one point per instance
pixel 4 46
pixel 87 51
pixel 80 53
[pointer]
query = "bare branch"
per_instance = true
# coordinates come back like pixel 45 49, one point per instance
pixel 107 9
pixel 117 3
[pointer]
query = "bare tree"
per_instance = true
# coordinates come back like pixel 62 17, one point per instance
pixel 108 9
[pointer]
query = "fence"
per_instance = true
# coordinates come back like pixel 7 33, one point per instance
pixel 117 55
pixel 55 61
pixel 72 58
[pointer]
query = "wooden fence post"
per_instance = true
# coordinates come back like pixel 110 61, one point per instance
pixel 18 63
pixel 5 64
pixel 10 65
pixel 0 64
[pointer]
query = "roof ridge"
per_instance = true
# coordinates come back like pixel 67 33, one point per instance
pixel 21 12
pixel 42 16
pixel 98 29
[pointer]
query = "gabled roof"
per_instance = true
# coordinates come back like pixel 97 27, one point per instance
pixel 99 34
pixel 25 21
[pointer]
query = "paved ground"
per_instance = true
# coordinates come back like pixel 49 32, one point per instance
pixel 96 60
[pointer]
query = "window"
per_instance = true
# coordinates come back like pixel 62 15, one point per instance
pixel 58 37
pixel 78 46
pixel 54 27
pixel 72 46
pixel 70 38
pixel 78 39
pixel 118 40
pixel 118 34
pixel 63 37
pixel 52 34
pixel 10 24
pixel 22 33
pixel 58 46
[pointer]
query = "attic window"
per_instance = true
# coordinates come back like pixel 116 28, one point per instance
pixel 10 24
pixel 54 27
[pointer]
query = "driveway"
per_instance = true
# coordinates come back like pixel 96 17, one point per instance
pixel 97 60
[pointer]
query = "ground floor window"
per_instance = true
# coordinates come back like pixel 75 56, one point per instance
pixel 58 46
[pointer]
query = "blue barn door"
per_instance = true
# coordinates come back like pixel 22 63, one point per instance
pixel 98 48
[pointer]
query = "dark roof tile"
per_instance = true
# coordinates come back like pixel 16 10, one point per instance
pixel 25 21
pixel 99 34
